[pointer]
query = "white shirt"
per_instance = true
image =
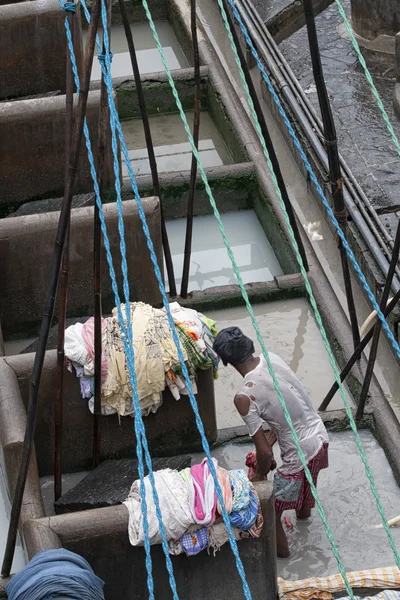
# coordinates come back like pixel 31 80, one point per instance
pixel 258 386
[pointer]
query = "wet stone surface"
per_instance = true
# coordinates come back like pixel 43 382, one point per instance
pixel 364 140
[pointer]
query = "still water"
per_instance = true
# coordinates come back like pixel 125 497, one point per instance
pixel 210 263
pixel 148 57
pixel 171 147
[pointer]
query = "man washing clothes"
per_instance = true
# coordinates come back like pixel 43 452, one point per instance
pixel 257 402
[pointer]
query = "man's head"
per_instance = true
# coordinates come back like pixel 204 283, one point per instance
pixel 233 347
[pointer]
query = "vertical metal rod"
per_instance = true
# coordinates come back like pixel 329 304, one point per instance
pixel 150 147
pixel 193 168
pixel 102 139
pixel 50 298
pixel 69 113
pixel 267 138
pixel 378 326
pixel 333 160
pixel 357 353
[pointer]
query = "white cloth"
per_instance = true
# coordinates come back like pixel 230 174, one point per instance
pixel 219 536
pixel 173 499
pixel 190 319
pixel 265 406
pixel 75 349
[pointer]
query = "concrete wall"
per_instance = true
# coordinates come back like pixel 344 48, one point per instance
pixel 33 47
pixel 101 536
pixel 170 431
pixel 371 18
pixel 26 248
pixel 32 147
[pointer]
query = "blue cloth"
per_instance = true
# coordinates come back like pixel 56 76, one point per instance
pixel 193 543
pixel 244 519
pixel 55 573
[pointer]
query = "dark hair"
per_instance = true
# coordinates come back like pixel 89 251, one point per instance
pixel 232 346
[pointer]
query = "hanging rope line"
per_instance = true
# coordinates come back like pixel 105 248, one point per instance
pixel 115 125
pixel 368 75
pixel 139 426
pixel 139 448
pixel 308 286
pixel 313 178
pixel 303 271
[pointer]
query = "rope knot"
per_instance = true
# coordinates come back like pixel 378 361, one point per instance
pixel 102 58
pixel 69 7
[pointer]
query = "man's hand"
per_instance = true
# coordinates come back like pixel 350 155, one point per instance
pixel 257 477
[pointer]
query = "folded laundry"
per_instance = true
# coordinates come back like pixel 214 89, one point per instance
pixel 225 485
pixel 245 518
pixel 193 543
pixel 157 364
pixel 202 496
pixel 240 489
pixel 173 496
pixel 187 497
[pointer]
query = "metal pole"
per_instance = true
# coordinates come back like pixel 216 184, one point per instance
pixel 193 168
pixel 102 139
pixel 357 353
pixel 333 160
pixel 377 330
pixel 51 294
pixel 69 112
pixel 150 147
pixel 267 137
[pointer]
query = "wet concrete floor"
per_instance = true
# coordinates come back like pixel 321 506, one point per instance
pixel 147 54
pixel 171 145
pixel 210 264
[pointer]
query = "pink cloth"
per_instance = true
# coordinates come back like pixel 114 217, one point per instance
pixel 203 499
pixel 88 338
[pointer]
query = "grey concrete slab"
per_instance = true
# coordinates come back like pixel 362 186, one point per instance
pixel 26 248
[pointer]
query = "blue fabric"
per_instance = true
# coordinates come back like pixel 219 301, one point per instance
pixel 244 519
pixel 193 543
pixel 55 573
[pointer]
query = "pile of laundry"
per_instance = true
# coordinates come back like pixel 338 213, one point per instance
pixel 156 359
pixel 192 514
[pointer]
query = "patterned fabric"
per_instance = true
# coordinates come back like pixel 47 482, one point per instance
pixel 240 486
pixel 244 519
pixel 195 357
pixel 386 595
pixel 193 543
pixel 323 587
pixel 256 530
pixel 293 492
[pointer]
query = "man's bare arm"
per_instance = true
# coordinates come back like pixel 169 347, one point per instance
pixel 263 447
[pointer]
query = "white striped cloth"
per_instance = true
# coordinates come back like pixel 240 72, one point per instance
pixel 322 588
